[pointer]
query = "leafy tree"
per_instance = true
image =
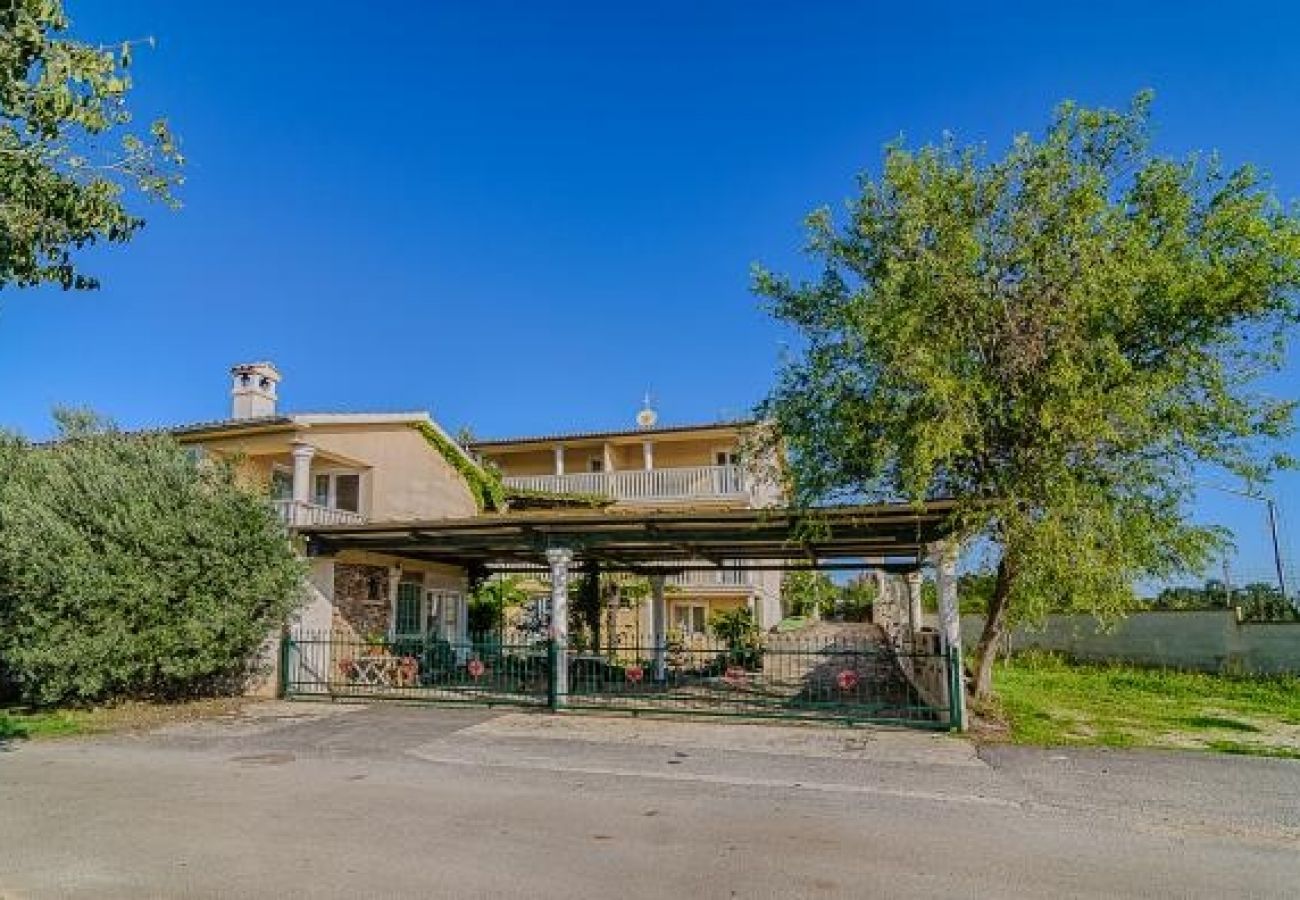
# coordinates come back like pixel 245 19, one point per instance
pixel 129 569
pixel 68 150
pixel 807 593
pixel 1056 338
pixel 857 598
pixel 490 599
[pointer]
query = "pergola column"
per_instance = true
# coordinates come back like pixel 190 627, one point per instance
pixel 658 626
pixel 943 555
pixel 560 558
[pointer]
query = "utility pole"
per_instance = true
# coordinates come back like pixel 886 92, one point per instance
pixel 1272 529
pixel 1277 553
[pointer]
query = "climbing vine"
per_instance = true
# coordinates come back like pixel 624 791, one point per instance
pixel 489 493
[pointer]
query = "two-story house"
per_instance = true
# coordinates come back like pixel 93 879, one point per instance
pixel 356 468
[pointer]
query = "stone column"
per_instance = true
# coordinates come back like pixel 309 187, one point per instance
pixel 915 611
pixel 560 558
pixel 944 557
pixel 302 454
pixel 658 626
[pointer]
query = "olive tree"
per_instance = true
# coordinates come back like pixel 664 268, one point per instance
pixel 1057 337
pixel 70 153
pixel 130 569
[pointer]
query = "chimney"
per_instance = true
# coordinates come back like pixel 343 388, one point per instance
pixel 252 390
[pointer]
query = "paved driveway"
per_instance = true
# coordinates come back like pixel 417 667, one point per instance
pixel 298 800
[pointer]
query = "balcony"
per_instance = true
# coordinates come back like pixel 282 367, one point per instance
pixel 296 514
pixel 644 485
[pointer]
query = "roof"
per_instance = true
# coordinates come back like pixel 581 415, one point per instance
pixel 307 420
pixel 896 535
pixel 298 419
pixel 597 435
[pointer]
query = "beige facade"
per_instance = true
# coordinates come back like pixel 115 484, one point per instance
pixel 340 469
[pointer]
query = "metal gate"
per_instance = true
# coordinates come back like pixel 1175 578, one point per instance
pixel 785 676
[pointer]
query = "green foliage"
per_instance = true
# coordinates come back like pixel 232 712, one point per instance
pixel 732 626
pixel 807 593
pixel 489 601
pixel 484 484
pixel 127 569
pixel 532 498
pixel 857 599
pixel 1258 601
pixel 1056 338
pixel 68 151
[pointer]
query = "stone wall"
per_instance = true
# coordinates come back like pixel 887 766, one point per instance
pixel 361 599
pixel 1206 640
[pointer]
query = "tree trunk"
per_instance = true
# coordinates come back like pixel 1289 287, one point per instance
pixel 986 650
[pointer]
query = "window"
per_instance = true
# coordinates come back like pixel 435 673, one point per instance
pixel 596 464
pixel 337 490
pixel 407 617
pixel 689 618
pixel 726 458
pixel 281 484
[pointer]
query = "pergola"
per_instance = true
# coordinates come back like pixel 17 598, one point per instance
pixel 897 538
pixel 893 537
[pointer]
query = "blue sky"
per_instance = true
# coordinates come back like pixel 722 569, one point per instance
pixel 521 216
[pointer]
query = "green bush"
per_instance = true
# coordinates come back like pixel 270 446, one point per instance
pixel 130 569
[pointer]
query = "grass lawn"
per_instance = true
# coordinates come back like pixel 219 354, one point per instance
pixel 20 722
pixel 1048 701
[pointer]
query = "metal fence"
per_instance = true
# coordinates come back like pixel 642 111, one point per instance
pixel 845 679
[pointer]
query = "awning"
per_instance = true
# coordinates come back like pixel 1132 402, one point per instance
pixel 886 536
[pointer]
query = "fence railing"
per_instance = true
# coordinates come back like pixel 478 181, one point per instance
pixel 694 482
pixel 761 675
pixel 296 513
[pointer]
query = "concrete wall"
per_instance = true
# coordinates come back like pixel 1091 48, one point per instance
pixel 1209 640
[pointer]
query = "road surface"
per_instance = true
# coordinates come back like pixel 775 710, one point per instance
pixel 320 800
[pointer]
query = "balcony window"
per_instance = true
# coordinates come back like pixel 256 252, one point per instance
pixel 281 484
pixel 726 458
pixel 337 490
pixel 689 618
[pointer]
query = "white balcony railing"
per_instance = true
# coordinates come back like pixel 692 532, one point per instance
pixel 297 514
pixel 642 485
pixel 712 578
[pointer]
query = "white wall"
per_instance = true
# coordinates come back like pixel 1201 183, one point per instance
pixel 1208 640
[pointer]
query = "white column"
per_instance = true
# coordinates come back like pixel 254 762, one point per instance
pixel 560 558
pixel 608 456
pixel 915 612
pixel 944 557
pixel 559 459
pixel 302 454
pixel 658 626
pixel 648 454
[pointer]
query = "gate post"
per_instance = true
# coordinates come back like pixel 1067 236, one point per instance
pixel 282 667
pixel 559 558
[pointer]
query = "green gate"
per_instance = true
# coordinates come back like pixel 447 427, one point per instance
pixel 817 678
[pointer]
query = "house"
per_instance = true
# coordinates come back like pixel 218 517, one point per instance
pixel 355 468
pixel 351 468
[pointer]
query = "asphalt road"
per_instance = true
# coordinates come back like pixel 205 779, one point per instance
pixel 314 800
